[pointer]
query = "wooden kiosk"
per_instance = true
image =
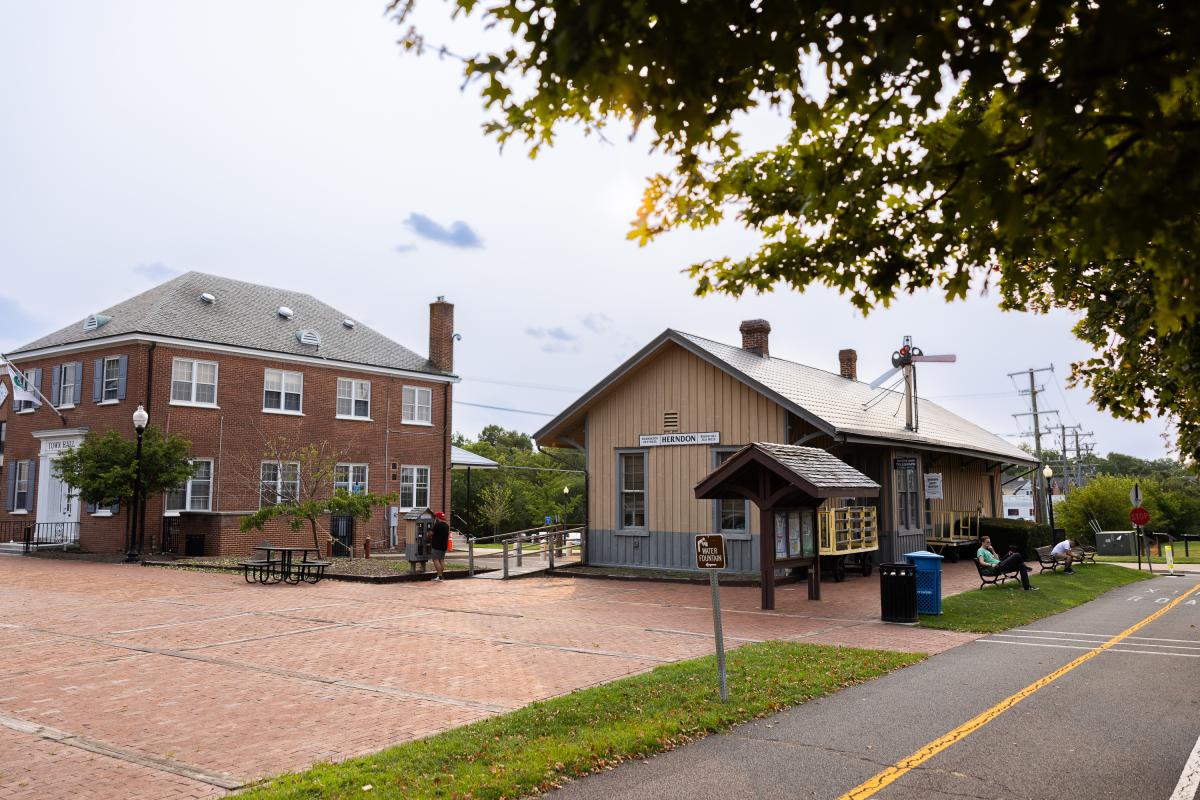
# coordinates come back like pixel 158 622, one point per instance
pixel 787 483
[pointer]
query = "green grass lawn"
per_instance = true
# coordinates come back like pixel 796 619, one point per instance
pixel 998 608
pixel 539 747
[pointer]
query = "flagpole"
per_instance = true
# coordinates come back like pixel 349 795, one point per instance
pixel 25 379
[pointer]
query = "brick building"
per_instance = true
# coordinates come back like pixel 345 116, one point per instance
pixel 230 366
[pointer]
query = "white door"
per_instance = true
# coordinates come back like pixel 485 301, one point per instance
pixel 56 501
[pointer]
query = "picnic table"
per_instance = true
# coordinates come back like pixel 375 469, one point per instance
pixel 279 564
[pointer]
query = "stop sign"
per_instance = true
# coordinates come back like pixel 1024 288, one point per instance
pixel 1139 516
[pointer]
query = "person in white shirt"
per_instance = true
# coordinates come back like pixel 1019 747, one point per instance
pixel 1062 551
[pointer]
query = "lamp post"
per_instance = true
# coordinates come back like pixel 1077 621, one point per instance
pixel 140 418
pixel 1046 473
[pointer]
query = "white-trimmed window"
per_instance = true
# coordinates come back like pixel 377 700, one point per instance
pixel 280 482
pixel 68 379
pixel 353 398
pixel 632 483
pixel 732 515
pixel 110 388
pixel 414 487
pixel 283 391
pixel 195 494
pixel 417 407
pixel 193 382
pixel 351 477
pixel 24 472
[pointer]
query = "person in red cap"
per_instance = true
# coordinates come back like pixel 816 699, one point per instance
pixel 441 543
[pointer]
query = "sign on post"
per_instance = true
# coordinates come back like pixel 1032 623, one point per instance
pixel 1139 516
pixel 710 555
pixel 1135 496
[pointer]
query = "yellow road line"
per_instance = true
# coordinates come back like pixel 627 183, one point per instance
pixel 897 770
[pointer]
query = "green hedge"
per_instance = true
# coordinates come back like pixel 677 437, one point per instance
pixel 1006 533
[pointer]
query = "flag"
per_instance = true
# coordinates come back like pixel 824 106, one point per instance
pixel 21 391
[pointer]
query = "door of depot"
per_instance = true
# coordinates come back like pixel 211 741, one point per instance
pixel 56 501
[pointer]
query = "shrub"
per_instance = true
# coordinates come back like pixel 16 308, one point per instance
pixel 1015 533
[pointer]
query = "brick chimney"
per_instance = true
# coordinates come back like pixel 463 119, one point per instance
pixel 441 334
pixel 755 333
pixel 848 364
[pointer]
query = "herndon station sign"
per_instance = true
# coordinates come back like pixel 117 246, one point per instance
pixel 663 439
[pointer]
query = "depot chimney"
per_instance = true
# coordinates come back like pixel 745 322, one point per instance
pixel 848 364
pixel 755 333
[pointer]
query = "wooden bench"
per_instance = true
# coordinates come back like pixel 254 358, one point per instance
pixel 1084 554
pixel 1049 561
pixel 987 576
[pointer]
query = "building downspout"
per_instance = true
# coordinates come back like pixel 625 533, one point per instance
pixel 445 442
pixel 141 522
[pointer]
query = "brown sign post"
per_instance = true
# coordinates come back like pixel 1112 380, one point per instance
pixel 710 555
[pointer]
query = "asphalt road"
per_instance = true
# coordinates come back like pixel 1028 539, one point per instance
pixel 1122 724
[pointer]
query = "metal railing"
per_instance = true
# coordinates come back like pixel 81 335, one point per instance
pixel 851 529
pixel 548 543
pixel 33 535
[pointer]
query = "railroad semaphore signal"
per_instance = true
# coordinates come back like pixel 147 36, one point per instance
pixel 906 359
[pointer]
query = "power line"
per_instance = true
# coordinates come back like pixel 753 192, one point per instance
pixel 545 386
pixel 502 408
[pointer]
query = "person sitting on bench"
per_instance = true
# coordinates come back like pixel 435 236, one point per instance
pixel 993 564
pixel 1062 552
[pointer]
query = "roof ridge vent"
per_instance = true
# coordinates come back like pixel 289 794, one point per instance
pixel 208 298
pixel 308 337
pixel 286 312
pixel 95 321
pixel 348 324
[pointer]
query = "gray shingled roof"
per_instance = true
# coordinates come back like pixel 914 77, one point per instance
pixel 244 315
pixel 842 403
pixel 819 467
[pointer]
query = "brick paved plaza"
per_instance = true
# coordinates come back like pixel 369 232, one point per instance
pixel 140 682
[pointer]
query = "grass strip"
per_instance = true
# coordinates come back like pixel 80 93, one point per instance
pixel 998 608
pixel 541 746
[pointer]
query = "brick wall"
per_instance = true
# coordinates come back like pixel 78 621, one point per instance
pixel 234 433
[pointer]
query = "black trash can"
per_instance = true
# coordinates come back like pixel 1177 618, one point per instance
pixel 898 593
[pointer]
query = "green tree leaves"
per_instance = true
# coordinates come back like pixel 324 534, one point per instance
pixel 103 467
pixel 1043 151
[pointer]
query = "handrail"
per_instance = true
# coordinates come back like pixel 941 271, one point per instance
pixel 547 544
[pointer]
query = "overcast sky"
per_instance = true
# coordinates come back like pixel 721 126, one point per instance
pixel 294 144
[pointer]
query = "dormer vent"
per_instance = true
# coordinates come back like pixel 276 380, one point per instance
pixel 348 324
pixel 208 298
pixel 308 337
pixel 286 312
pixel 95 321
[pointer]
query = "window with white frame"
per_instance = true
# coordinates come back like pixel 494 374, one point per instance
pixel 414 487
pixel 110 389
pixel 194 494
pixel 68 379
pixel 351 477
pixel 24 471
pixel 282 391
pixel 194 382
pixel 732 515
pixel 417 407
pixel 632 483
pixel 280 482
pixel 353 398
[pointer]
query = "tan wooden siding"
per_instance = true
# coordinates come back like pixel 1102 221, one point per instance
pixel 965 485
pixel 707 399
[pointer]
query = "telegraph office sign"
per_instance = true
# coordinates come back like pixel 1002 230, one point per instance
pixel 664 439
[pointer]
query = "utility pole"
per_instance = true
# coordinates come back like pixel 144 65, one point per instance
pixel 1033 392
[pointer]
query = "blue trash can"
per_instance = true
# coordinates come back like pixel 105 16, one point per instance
pixel 929 580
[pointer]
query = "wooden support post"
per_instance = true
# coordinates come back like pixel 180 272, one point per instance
pixel 767 558
pixel 814 579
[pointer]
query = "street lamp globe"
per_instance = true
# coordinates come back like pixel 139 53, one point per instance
pixel 566 490
pixel 1047 472
pixel 140 418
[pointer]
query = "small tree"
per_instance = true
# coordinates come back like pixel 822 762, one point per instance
pixel 104 466
pixel 313 497
pixel 495 503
